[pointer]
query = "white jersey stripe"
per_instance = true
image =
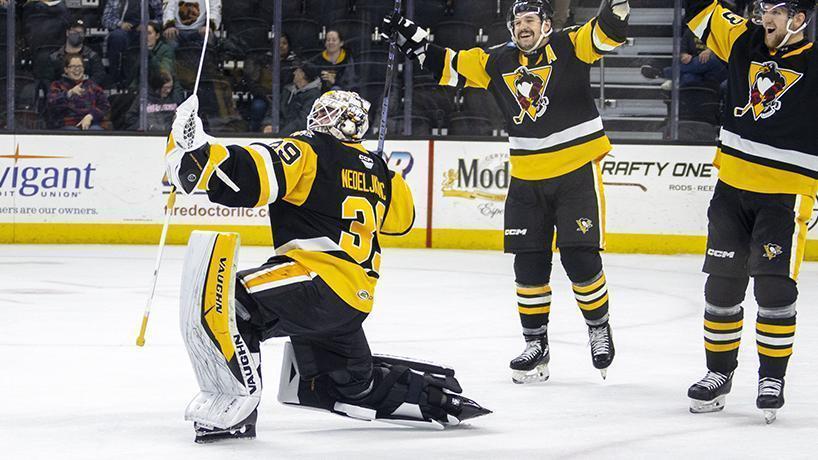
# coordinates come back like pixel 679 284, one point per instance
pixel 278 283
pixel 566 135
pixel 775 341
pixel 593 296
pixel 534 300
pixel 793 157
pixel 322 244
pixel 722 337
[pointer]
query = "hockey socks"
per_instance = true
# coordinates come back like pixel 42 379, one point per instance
pixel 722 335
pixel 592 299
pixel 774 337
pixel 534 305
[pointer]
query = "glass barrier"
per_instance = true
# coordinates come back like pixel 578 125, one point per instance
pixel 79 64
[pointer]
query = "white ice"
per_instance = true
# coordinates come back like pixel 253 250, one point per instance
pixel 74 385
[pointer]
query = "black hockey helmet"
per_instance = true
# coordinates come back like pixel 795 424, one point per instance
pixel 793 6
pixel 541 8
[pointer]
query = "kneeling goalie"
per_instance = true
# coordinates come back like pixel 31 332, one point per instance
pixel 329 199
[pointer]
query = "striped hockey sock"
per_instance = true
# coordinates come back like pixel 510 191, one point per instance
pixel 592 299
pixel 774 337
pixel 722 336
pixel 534 305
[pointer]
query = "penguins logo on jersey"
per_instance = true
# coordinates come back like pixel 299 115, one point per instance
pixel 768 83
pixel 528 87
pixel 772 250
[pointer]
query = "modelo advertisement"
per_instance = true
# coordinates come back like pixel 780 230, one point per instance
pixel 101 179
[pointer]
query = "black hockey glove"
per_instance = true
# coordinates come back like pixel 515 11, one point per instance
pixel 437 396
pixel 411 39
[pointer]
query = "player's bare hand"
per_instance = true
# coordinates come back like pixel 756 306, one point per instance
pixel 328 76
pixel 126 26
pixel 202 30
pixel 686 58
pixel 85 123
pixel 705 56
pixel 77 90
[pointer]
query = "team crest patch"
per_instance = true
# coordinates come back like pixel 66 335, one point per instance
pixel 528 87
pixel 772 250
pixel 368 162
pixel 768 83
pixel 584 225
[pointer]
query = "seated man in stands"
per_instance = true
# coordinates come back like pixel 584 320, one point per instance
pixel 185 22
pixel 164 96
pixel 336 64
pixel 74 101
pixel 297 99
pixel 699 66
pixel 74 38
pixel 257 77
pixel 122 19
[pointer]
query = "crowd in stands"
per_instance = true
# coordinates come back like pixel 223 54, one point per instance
pixel 78 62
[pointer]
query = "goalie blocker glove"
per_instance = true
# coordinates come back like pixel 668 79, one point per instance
pixel 403 392
pixel 411 39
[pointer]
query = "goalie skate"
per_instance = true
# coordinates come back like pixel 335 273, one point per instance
pixel 710 393
pixel 243 430
pixel 532 364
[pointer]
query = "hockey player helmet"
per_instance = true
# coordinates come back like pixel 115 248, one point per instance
pixel 342 114
pixel 542 8
pixel 792 7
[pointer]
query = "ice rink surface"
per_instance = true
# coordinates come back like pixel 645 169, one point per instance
pixel 74 385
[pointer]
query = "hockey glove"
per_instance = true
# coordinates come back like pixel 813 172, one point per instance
pixel 411 39
pixel 188 150
pixel 620 8
pixel 399 392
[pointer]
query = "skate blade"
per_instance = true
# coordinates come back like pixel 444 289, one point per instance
pixel 769 415
pixel 604 373
pixel 703 407
pixel 246 432
pixel 538 374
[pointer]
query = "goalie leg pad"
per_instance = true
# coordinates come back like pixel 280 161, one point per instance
pixel 226 369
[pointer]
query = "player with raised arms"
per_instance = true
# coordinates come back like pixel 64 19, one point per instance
pixel 541 81
pixel 768 176
pixel 329 199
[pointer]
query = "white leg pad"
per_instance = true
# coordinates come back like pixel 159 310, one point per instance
pixel 226 370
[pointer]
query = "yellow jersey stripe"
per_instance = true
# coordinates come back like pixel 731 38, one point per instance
pixel 595 305
pixel 534 290
pixel 534 311
pixel 721 347
pixel 218 153
pixel 301 174
pixel 552 164
pixel 471 64
pixel 754 177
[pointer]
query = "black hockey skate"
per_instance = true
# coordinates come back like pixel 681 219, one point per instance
pixel 709 393
pixel 602 347
pixel 245 429
pixel 532 364
pixel 770 397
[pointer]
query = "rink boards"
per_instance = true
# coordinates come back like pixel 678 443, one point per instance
pixel 110 189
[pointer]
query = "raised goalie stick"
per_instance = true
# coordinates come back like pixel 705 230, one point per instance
pixel 387 88
pixel 189 128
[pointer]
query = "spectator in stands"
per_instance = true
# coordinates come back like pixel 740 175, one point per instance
pixel 44 23
pixel 336 64
pixel 122 18
pixel 74 37
pixel 161 56
pixel 164 96
pixel 74 101
pixel 699 66
pixel 297 99
pixel 184 21
pixel 257 77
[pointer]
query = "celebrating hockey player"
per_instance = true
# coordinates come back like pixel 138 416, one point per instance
pixel 768 175
pixel 541 81
pixel 329 199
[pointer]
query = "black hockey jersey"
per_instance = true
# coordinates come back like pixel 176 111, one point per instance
pixel 769 138
pixel 328 202
pixel 553 123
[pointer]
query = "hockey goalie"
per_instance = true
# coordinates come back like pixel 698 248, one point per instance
pixel 329 199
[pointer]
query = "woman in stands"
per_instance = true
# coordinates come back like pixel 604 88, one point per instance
pixel 336 64
pixel 75 101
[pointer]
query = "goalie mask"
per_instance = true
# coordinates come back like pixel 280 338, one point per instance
pixel 341 114
pixel 521 8
pixel 784 7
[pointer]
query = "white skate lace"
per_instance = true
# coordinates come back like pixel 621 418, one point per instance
pixel 599 340
pixel 712 380
pixel 769 386
pixel 532 349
